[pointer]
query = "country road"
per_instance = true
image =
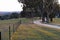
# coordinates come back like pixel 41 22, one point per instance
pixel 38 22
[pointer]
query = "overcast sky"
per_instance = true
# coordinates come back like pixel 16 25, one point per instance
pixel 59 1
pixel 10 5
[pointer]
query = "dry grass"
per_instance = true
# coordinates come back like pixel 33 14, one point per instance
pixel 56 21
pixel 35 32
pixel 4 28
pixel 29 31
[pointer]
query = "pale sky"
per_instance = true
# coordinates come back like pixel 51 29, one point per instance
pixel 10 5
pixel 59 1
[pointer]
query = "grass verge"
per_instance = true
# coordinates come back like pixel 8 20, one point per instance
pixel 35 32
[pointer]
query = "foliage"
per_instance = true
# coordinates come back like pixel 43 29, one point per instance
pixel 14 15
pixel 40 6
pixel 46 4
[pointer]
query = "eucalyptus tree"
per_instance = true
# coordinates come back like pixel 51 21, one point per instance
pixel 44 6
pixel 30 5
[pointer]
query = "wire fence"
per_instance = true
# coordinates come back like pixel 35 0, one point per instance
pixel 14 28
pixel 8 29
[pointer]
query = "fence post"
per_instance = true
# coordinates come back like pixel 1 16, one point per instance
pixel 0 35
pixel 9 33
pixel 13 28
pixel 20 21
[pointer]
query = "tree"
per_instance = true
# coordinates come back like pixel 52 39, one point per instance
pixel 49 6
pixel 45 6
pixel 29 5
pixel 22 14
pixel 14 15
pixel 6 17
pixel 55 9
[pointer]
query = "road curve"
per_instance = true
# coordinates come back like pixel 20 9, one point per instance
pixel 38 22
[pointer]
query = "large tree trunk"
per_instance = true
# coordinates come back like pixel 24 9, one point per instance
pixel 51 19
pixel 47 18
pixel 43 17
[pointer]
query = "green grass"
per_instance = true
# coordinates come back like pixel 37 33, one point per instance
pixel 4 26
pixel 23 20
pixel 56 21
pixel 35 32
pixel 9 21
pixel 29 31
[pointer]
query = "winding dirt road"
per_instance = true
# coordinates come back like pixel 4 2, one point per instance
pixel 38 22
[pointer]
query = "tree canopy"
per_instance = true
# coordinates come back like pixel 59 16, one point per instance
pixel 46 4
pixel 42 6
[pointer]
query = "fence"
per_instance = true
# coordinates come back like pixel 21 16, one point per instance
pixel 8 29
pixel 14 28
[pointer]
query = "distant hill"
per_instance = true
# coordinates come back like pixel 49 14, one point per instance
pixel 6 13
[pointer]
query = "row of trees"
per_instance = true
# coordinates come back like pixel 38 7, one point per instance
pixel 15 15
pixel 45 8
pixel 10 16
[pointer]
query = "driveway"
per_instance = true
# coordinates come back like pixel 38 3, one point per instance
pixel 38 22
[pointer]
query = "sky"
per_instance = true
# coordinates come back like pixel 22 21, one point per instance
pixel 10 6
pixel 59 1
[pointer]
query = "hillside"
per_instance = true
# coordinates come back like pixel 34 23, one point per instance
pixel 6 13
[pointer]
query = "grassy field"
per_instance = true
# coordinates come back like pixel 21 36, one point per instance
pixel 9 21
pixel 4 27
pixel 35 32
pixel 56 21
pixel 31 31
